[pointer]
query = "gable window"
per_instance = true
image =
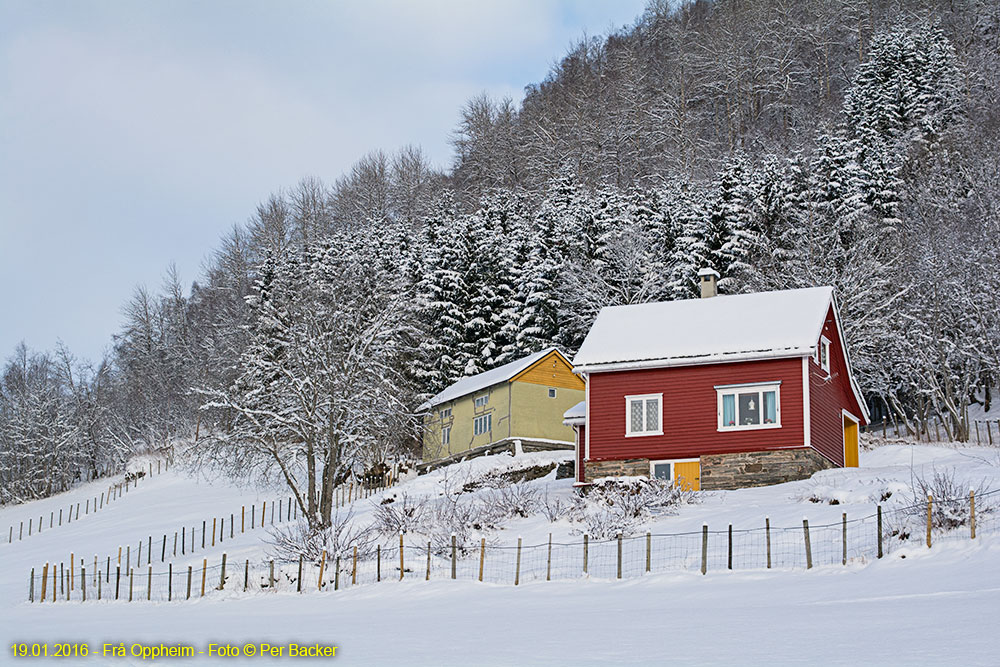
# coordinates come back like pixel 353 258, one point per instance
pixel 481 401
pixel 644 415
pixel 482 424
pixel 445 414
pixel 823 353
pixel 446 435
pixel 749 406
pixel 552 392
pixel 662 470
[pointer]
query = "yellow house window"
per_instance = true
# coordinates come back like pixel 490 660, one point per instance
pixel 445 414
pixel 552 392
pixel 483 424
pixel 446 435
pixel 481 401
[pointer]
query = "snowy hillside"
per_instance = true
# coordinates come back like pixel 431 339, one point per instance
pixel 944 597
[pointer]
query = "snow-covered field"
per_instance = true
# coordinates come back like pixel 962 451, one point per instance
pixel 916 606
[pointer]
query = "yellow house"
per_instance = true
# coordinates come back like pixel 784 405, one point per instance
pixel 517 406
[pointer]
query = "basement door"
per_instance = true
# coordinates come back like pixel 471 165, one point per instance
pixel 685 473
pixel 850 441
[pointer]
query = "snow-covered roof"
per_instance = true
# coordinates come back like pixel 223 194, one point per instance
pixel 783 323
pixel 577 412
pixel 497 375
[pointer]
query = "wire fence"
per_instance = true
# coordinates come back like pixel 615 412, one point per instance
pixel 713 548
pixel 981 431
pixel 84 508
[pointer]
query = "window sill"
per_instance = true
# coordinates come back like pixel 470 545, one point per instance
pixel 753 427
pixel 643 434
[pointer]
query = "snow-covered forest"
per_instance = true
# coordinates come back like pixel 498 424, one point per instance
pixel 794 144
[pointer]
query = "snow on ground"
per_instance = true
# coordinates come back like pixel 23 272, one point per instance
pixel 917 606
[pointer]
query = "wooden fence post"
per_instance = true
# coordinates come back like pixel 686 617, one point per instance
pixel 213 532
pixel 767 535
pixel 204 573
pixel 163 549
pixel 118 580
pixel 45 581
pixel 170 582
pixel 130 572
pixel 427 577
pixel 400 555
pixel 843 520
pixel 809 555
pixel 879 530
pixel 189 583
pixel 246 575
pixel 517 571
pixel 548 561
pixel 270 574
pixel 203 525
pixel 930 502
pixel 183 540
pixel 729 560
pixel 977 433
pixel 322 566
pixel 231 523
pixel 301 558
pixel 31 587
pixel 649 551
pixel 704 548
pixel 454 557
pixel 336 575
pixel 100 579
pixel 482 556
pixel 243 519
pixel 619 555
pixel 149 584
pixel 83 582
pixel 378 562
pixel 972 512
pixel 354 566
pixel 72 560
pixel 222 577
pixel 586 551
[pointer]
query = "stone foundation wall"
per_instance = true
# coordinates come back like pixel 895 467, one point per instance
pixel 626 468
pixel 736 471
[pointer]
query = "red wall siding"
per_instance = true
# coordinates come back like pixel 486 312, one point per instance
pixel 829 396
pixel 690 426
pixel 581 439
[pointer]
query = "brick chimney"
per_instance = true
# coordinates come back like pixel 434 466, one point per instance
pixel 708 280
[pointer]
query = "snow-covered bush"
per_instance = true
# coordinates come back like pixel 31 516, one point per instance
pixel 555 508
pixel 619 505
pixel 950 508
pixel 508 502
pixel 286 544
pixel 403 515
pixel 461 517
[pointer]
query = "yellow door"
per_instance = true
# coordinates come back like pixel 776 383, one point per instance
pixel 687 475
pixel 850 443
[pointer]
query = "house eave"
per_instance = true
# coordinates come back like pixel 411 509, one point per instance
pixel 757 355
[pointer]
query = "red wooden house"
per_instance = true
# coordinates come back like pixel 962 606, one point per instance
pixel 722 392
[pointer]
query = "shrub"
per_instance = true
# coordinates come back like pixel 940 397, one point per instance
pixel 405 515
pixel 286 544
pixel 619 505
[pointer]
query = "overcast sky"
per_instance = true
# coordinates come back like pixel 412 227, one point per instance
pixel 136 133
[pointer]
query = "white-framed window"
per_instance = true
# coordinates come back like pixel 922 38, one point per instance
pixel 662 470
pixel 552 392
pixel 745 407
pixel 644 415
pixel 446 435
pixel 445 414
pixel 482 424
pixel 481 401
pixel 822 356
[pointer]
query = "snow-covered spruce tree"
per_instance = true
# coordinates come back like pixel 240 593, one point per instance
pixel 729 235
pixel 684 205
pixel 320 379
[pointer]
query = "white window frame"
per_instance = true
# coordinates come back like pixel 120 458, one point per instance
pixel 482 401
pixel 735 389
pixel 629 433
pixel 444 414
pixel 446 435
pixel 673 469
pixel 823 354
pixel 552 392
pixel 486 420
